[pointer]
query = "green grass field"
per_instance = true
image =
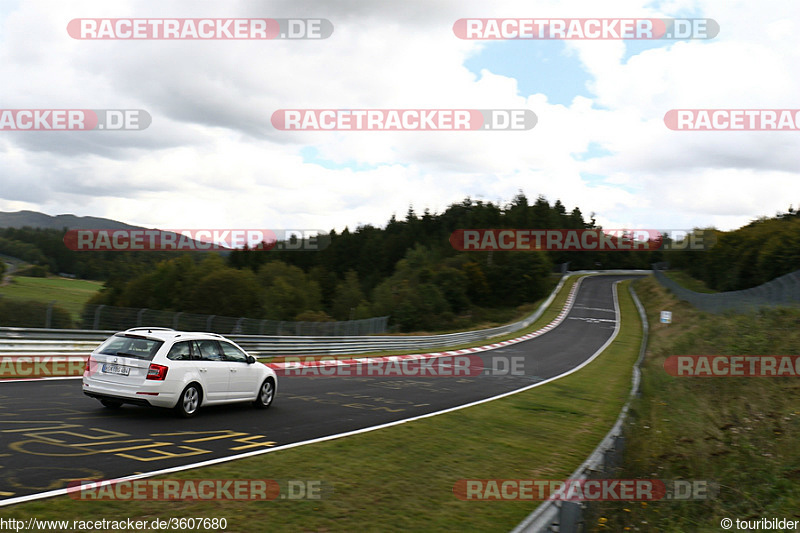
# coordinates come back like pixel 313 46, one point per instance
pixel 71 294
pixel 402 477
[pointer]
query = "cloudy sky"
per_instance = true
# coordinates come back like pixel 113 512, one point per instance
pixel 212 159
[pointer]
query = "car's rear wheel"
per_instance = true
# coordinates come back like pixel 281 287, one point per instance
pixel 111 404
pixel 189 401
pixel 265 394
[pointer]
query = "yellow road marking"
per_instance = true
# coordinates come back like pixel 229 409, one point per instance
pixel 226 435
pixel 62 426
pixel 162 454
pixel 253 444
pixel 108 434
pixel 148 445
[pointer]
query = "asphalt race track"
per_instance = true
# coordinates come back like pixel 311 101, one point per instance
pixel 51 433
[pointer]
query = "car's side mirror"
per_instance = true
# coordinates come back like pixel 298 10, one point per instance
pixel 250 359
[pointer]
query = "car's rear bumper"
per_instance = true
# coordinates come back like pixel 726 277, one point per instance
pixel 153 393
pixel 123 399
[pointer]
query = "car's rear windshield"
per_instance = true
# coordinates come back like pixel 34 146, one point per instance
pixel 127 345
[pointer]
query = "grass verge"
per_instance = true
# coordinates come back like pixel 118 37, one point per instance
pixel 402 477
pixel 548 316
pixel 739 432
pixel 685 280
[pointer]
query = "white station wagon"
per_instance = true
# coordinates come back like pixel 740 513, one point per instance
pixel 175 369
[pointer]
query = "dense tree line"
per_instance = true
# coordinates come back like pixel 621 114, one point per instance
pixel 747 257
pixel 46 248
pixel 373 253
pixel 407 269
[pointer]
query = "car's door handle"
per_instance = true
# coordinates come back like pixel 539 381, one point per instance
pixel 233 370
pixel 203 369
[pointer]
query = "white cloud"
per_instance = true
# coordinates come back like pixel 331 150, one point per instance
pixel 212 158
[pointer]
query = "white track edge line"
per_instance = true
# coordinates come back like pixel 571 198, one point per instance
pixel 219 460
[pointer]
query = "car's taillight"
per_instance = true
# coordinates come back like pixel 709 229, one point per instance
pixel 157 372
pixel 87 368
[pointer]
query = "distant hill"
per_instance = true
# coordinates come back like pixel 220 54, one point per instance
pixel 34 219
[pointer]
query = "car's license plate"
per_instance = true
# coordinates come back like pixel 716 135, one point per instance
pixel 116 369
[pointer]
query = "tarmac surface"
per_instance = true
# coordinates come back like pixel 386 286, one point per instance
pixel 51 433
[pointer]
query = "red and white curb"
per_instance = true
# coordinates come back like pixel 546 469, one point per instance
pixel 14 359
pixel 433 355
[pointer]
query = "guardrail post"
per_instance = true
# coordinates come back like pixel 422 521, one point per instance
pixel 611 457
pixel 794 286
pixel 97 316
pixel 782 289
pixel 570 517
pixel 139 316
pixel 238 328
pixel 48 319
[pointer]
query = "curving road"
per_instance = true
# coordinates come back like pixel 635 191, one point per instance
pixel 51 433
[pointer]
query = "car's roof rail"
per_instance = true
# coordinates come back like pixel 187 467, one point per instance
pixel 149 329
pixel 204 333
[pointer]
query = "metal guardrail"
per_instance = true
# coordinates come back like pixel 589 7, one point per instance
pixel 108 317
pixel 567 516
pixel 66 342
pixel 782 291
